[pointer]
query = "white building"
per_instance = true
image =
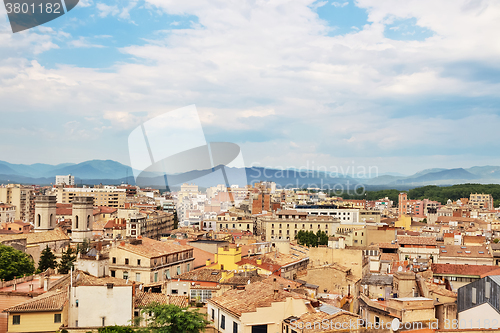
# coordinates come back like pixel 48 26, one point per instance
pixel 65 180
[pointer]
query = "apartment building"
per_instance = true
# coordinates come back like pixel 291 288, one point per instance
pixel 345 215
pixel 149 261
pixel 65 180
pixel 22 197
pixel 228 220
pixel 285 224
pixel 481 201
pixel 109 196
pixel 7 213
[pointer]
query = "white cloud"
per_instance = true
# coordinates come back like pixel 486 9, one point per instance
pixel 83 42
pixel 338 4
pixel 105 10
pixel 270 68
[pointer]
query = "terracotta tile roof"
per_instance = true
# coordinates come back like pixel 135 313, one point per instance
pixel 416 240
pixel 490 273
pixel 50 301
pixel 434 288
pixel 38 237
pixel 240 280
pixel 290 212
pixel 255 295
pixel 84 279
pixel 464 251
pixel 143 299
pixel 389 256
pixel 388 246
pixel 151 248
pixel 474 239
pixel 64 211
pixel 202 274
pixel 470 270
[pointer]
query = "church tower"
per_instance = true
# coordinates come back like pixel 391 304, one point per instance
pixel 82 219
pixel 45 213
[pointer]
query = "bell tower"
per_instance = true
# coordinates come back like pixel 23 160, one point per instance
pixel 45 213
pixel 82 219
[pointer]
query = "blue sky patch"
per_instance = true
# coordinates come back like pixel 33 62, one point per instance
pixel 407 29
pixel 343 17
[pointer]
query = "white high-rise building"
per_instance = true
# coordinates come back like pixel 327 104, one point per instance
pixel 65 180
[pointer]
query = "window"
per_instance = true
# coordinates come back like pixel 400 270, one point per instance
pixel 167 274
pixel 103 321
pixel 175 291
pixel 213 314
pixel 138 262
pixel 125 275
pixel 16 320
pixel 223 322
pixel 377 320
pixel 473 295
pixel 487 289
pixel 114 260
pixel 57 318
pixel 188 267
pixel 113 273
pixel 178 270
pixel 138 277
pixel 156 276
pixel 235 327
pixel 126 261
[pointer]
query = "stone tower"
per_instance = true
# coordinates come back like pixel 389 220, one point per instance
pixel 45 213
pixel 82 219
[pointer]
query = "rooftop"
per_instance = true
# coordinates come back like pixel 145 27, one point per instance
pixel 51 301
pixel 151 248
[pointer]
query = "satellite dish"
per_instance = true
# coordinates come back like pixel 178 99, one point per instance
pixel 140 287
pixel 78 277
pixel 400 269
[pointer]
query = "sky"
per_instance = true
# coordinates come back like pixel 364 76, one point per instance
pixel 397 85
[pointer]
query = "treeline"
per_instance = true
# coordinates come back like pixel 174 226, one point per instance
pixel 432 192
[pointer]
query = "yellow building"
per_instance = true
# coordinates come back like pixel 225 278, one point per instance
pixel 21 197
pixel 404 222
pixel 45 313
pixel 227 258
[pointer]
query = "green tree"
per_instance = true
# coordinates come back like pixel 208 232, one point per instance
pixel 67 260
pixel 496 240
pixel 14 263
pixel 169 318
pixel 47 260
pixel 84 247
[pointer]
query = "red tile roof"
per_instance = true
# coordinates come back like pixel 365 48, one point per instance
pixel 470 270
pixel 50 301
pixel 416 240
pixel 151 248
pixel 464 251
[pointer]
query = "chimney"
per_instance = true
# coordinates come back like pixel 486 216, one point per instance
pixel 40 281
pixel 208 262
pixel 31 286
pixel 46 284
pixel 14 286
pixel 133 288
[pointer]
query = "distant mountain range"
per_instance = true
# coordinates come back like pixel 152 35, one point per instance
pixel 114 173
